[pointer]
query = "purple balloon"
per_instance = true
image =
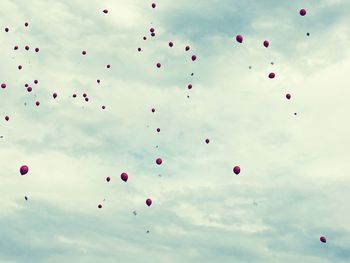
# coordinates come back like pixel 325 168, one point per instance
pixel 272 75
pixel 159 161
pixel 239 38
pixel 266 43
pixel 124 177
pixel 323 239
pixel 148 202
pixel 236 170
pixel 302 12
pixel 24 169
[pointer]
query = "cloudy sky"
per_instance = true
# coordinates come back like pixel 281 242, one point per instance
pixel 294 184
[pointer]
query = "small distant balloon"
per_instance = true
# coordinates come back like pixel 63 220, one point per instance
pixel 26 48
pixel 158 65
pixel 206 141
pixel 153 5
pixel 159 161
pixel 7 118
pixel 83 52
pixel 323 239
pixel 149 202
pixel 105 11
pixel 36 49
pixel 171 44
pixel 124 177
pixel 99 206
pixel 151 29
pixel 288 96
pixel 26 198
pixel 153 34
pixel 36 81
pixel 37 103
pixel 139 49
pixel 84 95
pixel 54 95
pixel 19 67
pixel 24 169
pixel 189 86
pixel 158 129
pixel 187 48
pixel 144 38
pixel 103 107
pixel 236 170
pixel 272 75
pixel 3 86
pixel 194 57
pixel 74 95
pixel 239 38
pixel 6 29
pixel 15 48
pixel 86 99
pixel 302 12
pixel 266 43
pixel 108 66
pixel 153 110
pixel 108 179
pixel 29 89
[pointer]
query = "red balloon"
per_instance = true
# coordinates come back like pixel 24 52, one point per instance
pixel 24 169
pixel 148 202
pixel 194 57
pixel 124 177
pixel 189 86
pixel 302 12
pixel 158 65
pixel 236 170
pixel 7 118
pixel 187 48
pixel 323 239
pixel 266 43
pixel 159 161
pixel 272 75
pixel 54 95
pixel 3 85
pixel 239 38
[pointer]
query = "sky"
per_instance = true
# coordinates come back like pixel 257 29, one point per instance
pixel 294 184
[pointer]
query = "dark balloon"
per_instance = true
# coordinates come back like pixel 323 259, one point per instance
pixel 26 198
pixel 153 34
pixel 266 43
pixel 86 99
pixel 302 12
pixel 24 169
pixel 37 103
pixel 98 81
pixel 74 95
pixel 159 161
pixel 323 239
pixel 29 89
pixel 103 107
pixel 36 81
pixel 139 49
pixel 15 48
pixel 158 130
pixel 3 86
pixel 187 48
pixel 19 67
pixel 194 57
pixel 153 110
pixel 105 11
pixel 189 86
pixel 84 52
pixel 272 75
pixel 153 5
pixel 6 29
pixel 108 66
pixel 144 38
pixel 148 202
pixel 236 170
pixel 206 141
pixel 54 95
pixel 37 49
pixel 124 177
pixel 239 38
pixel 26 48
pixel 7 118
pixel 171 44
pixel 99 206
pixel 26 85
pixel 158 65
pixel 108 179
pixel 84 95
pixel 288 96
pixel 25 24
pixel 151 29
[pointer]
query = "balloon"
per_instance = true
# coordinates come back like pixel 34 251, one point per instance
pixel 194 57
pixel 37 103
pixel 29 89
pixel 54 95
pixel 74 95
pixel 148 202
pixel 98 81
pixel 153 110
pixel 206 141
pixel 108 66
pixel 171 44
pixel 158 65
pixel 153 34
pixel 24 169
pixel 272 75
pixel 187 48
pixel 105 11
pixel 124 177
pixel 19 67
pixel 288 96
pixel 7 118
pixel 151 29
pixel 86 99
pixel 26 24
pixel 84 95
pixel 302 12
pixel 159 161
pixel 26 48
pixel 236 170
pixel 153 5
pixel 108 179
pixel 6 29
pixel 323 239
pixel 99 206
pixel 3 85
pixel 239 38
pixel 36 81
pixel 266 43
pixel 189 86
pixel 37 49
pixel 158 130
pixel 139 49
pixel 15 48
pixel 26 198
pixel 103 107
pixel 144 38
pixel 83 52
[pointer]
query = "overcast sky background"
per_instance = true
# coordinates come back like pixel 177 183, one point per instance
pixel 294 184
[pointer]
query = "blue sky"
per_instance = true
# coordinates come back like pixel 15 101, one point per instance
pixel 294 183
